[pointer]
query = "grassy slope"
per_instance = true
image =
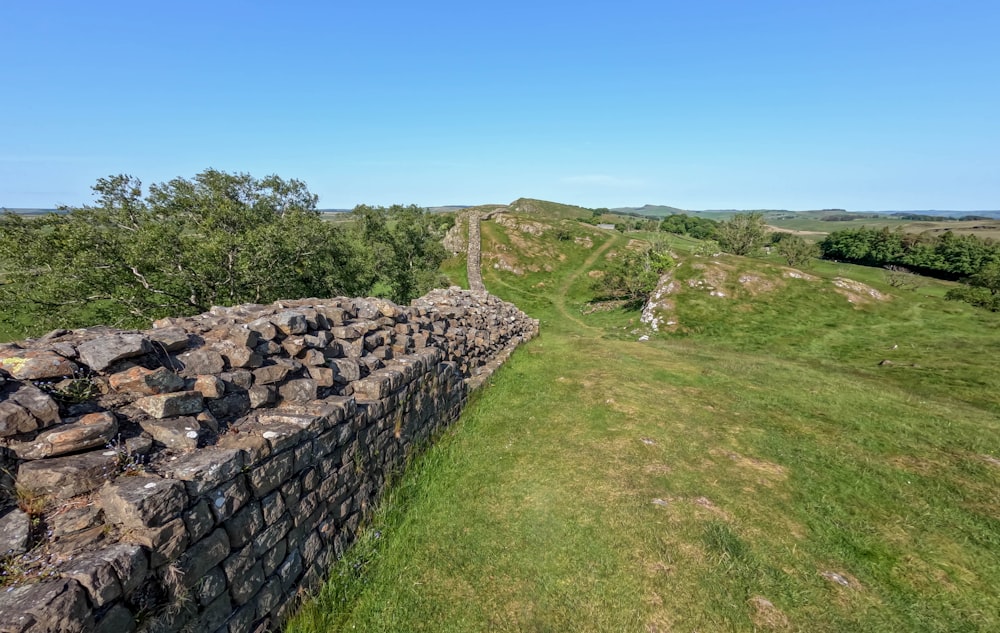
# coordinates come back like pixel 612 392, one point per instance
pixel 701 481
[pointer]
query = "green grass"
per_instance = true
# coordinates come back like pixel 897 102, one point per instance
pixel 721 479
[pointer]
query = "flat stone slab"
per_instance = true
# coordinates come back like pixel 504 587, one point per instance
pixel 102 352
pixel 65 477
pixel 178 433
pixel 138 502
pixel 88 431
pixel 37 365
pixel 14 529
pixel 149 382
pixel 168 405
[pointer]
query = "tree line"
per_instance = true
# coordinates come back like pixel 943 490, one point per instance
pixel 968 258
pixel 216 239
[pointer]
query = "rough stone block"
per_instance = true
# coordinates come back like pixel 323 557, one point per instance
pixel 68 476
pixel 149 382
pixel 171 404
pixel 270 374
pixel 243 525
pixel 177 433
pixel 14 529
pixel 102 352
pixel 37 365
pixel 199 520
pixel 59 605
pixel 117 620
pixel 201 361
pixel 206 468
pixel 209 387
pixel 298 391
pixel 78 434
pixel 290 322
pixel 267 476
pixel 38 403
pixel 244 573
pixel 203 556
pixel 274 557
pixel 137 502
pixel 168 339
pixel 272 535
pixel 228 498
pixel 210 586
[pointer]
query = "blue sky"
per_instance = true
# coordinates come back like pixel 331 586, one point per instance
pixel 708 104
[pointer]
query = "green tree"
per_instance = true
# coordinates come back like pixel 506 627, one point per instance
pixel 216 239
pixel 633 274
pixel 796 250
pixel 744 234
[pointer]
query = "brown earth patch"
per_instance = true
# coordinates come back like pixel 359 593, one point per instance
pixel 770 470
pixel 585 242
pixel 595 274
pixel 636 245
pixel 767 616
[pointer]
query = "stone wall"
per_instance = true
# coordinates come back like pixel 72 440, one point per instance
pixel 201 475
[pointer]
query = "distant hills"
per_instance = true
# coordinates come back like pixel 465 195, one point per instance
pixel 662 210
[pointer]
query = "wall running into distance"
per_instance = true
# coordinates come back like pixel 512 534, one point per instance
pixel 200 475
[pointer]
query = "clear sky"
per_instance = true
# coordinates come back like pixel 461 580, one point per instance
pixel 701 104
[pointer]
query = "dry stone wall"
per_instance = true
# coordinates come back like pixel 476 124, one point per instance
pixel 200 475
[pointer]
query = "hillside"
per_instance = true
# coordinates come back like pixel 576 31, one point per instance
pixel 798 451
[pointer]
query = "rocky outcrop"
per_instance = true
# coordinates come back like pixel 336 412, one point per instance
pixel 200 475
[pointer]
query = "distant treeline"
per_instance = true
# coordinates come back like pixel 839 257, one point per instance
pixel 945 255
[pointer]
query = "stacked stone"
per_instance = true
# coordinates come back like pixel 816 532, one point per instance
pixel 473 255
pixel 267 433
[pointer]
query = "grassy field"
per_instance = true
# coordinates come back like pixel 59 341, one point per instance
pixel 757 471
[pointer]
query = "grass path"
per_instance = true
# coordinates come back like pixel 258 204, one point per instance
pixel 680 484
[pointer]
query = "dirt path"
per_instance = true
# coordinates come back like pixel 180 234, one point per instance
pixel 558 298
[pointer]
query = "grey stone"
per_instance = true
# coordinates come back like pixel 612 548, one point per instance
pixel 176 433
pixel 203 556
pixel 15 526
pixel 210 586
pixel 88 431
pixel 267 476
pixel 171 404
pixel 261 395
pixel 169 339
pixel 102 352
pixel 146 381
pixel 15 419
pixel 298 391
pixel 137 502
pixel 37 403
pixel 205 469
pixel 65 477
pixel 269 598
pixel 290 322
pixel 232 405
pixel 73 520
pixel 228 498
pixel 274 557
pixel 199 520
pixel 347 370
pixel 201 361
pixel 270 374
pixel 264 328
pixel 117 620
pixel 244 573
pixel 243 525
pixel 55 606
pixel 37 365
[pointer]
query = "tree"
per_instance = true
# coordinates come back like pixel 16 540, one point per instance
pixel 743 234
pixel 796 250
pixel 216 239
pixel 633 274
